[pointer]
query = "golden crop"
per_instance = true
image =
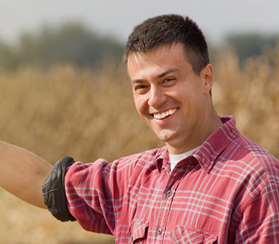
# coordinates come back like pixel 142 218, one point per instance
pixel 87 114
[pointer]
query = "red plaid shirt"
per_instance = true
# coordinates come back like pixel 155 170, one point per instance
pixel 226 192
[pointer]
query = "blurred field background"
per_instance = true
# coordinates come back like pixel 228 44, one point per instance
pixel 56 109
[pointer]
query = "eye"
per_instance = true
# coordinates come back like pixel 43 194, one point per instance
pixel 140 87
pixel 168 80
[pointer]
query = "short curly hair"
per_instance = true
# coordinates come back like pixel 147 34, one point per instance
pixel 167 30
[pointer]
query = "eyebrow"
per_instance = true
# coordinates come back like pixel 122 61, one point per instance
pixel 167 72
pixel 139 81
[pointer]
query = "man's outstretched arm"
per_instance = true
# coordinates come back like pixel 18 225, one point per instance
pixel 22 173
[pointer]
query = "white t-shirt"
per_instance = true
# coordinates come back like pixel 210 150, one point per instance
pixel 174 159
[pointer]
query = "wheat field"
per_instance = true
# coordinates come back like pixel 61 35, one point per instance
pixel 89 113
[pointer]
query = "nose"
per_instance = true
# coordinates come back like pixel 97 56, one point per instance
pixel 157 97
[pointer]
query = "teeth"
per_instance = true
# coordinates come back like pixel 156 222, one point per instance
pixel 164 114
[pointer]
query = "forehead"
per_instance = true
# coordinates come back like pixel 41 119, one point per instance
pixel 157 60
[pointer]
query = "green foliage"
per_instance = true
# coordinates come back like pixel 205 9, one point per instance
pixel 250 44
pixel 74 43
pixel 69 43
pixel 7 56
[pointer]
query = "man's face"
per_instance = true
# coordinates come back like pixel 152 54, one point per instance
pixel 170 98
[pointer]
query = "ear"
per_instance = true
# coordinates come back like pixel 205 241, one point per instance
pixel 207 78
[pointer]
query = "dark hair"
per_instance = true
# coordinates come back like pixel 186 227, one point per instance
pixel 167 30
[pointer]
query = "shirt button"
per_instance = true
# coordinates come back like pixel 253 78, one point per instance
pixel 169 193
pixel 159 231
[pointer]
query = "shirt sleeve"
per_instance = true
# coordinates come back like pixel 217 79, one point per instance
pixel 260 218
pixel 96 193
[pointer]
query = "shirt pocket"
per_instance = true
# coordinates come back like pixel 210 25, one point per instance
pixel 138 231
pixel 187 235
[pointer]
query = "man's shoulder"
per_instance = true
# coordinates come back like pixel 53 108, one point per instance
pixel 146 156
pixel 254 149
pixel 137 164
pixel 257 157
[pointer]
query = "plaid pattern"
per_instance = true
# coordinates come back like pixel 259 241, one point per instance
pixel 226 192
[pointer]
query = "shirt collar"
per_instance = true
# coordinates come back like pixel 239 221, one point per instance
pixel 216 143
pixel 162 158
pixel 211 148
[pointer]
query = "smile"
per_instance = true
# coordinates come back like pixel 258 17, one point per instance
pixel 164 114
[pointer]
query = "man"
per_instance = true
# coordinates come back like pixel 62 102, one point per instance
pixel 209 184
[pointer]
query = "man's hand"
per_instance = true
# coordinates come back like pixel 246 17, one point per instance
pixel 22 173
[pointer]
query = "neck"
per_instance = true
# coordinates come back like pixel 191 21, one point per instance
pixel 210 124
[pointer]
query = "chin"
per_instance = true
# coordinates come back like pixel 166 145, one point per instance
pixel 166 136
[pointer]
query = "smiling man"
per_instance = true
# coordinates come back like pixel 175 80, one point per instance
pixel 209 184
pixel 171 98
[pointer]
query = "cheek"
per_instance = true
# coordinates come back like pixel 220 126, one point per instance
pixel 139 104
